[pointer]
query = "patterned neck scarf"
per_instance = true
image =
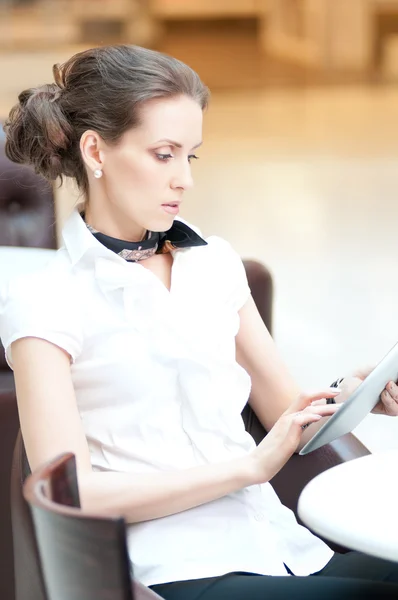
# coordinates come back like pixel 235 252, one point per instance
pixel 179 235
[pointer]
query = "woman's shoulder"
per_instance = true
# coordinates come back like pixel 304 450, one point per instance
pixel 43 303
pixel 42 283
pixel 219 267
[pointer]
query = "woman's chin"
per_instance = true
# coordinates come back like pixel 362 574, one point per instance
pixel 162 224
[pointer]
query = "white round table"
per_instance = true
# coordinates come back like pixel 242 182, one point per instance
pixel 355 504
pixel 16 261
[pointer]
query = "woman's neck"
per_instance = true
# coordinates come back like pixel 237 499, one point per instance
pixel 113 223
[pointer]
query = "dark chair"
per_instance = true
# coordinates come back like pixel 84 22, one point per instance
pixel 288 483
pixel 8 432
pixel 82 556
pixel 26 219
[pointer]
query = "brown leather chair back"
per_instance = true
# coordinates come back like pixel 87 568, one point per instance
pixel 81 555
pixel 26 207
pixel 29 584
pixel 262 288
pixel 8 432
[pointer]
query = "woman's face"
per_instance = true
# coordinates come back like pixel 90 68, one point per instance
pixel 146 174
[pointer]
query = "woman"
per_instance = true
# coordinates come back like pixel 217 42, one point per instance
pixel 137 347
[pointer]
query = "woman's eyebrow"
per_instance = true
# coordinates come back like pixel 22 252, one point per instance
pixel 177 144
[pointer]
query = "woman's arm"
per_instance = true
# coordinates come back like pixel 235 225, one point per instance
pixel 273 388
pixel 51 425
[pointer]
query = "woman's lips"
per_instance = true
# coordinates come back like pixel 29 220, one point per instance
pixel 172 209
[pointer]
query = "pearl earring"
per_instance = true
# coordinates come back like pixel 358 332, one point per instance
pixel 98 173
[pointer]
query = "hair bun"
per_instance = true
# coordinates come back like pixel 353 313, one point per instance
pixel 38 132
pixel 50 92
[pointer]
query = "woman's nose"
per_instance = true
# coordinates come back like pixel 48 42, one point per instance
pixel 182 177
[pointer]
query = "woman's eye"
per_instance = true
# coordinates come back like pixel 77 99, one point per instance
pixel 164 157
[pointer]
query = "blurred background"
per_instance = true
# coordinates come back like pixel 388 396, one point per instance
pixel 299 164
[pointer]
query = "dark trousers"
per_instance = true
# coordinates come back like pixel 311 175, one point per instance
pixel 351 576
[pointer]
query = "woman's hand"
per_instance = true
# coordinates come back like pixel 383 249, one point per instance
pixel 284 437
pixel 350 383
pixel 388 403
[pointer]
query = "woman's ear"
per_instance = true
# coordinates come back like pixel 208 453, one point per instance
pixel 91 148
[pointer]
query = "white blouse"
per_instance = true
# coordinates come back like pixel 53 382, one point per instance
pixel 158 388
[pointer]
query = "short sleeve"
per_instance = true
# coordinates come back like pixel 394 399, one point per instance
pixel 41 306
pixel 230 273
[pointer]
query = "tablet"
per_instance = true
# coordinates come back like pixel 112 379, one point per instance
pixel 358 405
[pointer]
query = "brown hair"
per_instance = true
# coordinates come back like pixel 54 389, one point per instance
pixel 100 89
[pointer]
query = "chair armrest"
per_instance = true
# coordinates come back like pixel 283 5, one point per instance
pixel 299 470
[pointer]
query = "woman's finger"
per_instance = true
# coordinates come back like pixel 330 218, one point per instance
pixel 304 419
pixel 325 410
pixel 305 399
pixel 389 402
pixel 392 389
pixel 311 414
